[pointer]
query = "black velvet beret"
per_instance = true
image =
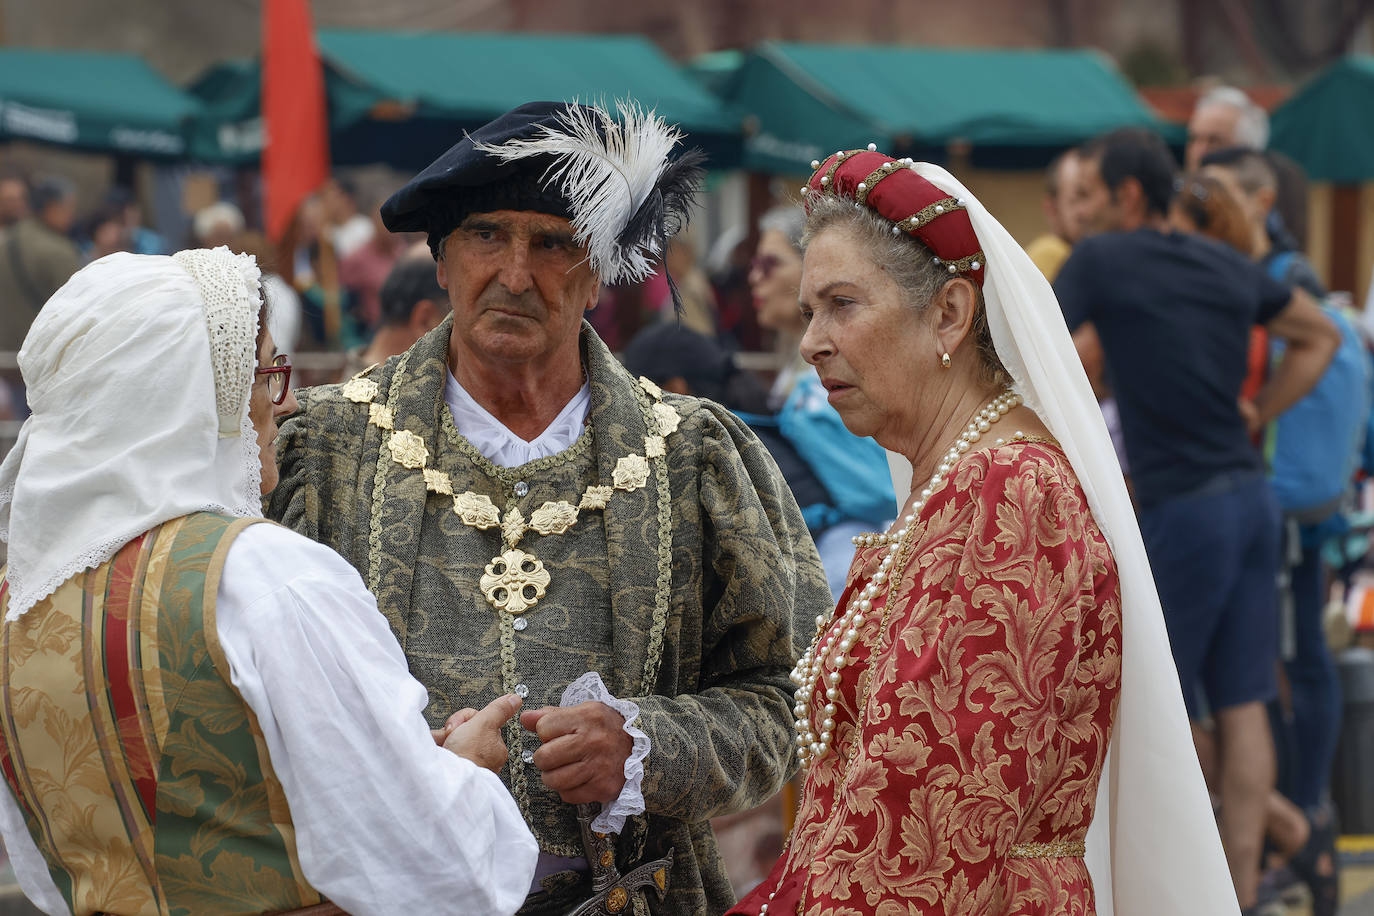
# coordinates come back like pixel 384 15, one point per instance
pixel 467 180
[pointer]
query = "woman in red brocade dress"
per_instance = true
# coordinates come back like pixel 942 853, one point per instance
pixel 955 711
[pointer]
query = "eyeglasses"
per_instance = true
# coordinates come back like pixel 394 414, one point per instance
pixel 765 264
pixel 278 377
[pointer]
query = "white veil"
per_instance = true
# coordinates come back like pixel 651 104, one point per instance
pixel 138 372
pixel 1153 846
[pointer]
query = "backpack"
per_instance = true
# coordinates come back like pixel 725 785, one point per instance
pixel 1315 446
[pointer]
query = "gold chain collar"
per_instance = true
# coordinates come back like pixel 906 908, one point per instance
pixel 514 580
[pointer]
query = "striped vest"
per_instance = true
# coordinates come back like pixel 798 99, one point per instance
pixel 141 772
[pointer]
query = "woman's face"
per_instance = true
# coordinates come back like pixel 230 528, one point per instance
pixel 774 277
pixel 263 414
pixel 868 345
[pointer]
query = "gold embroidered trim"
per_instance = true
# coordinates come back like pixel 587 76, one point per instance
pixel 513 584
pixel 374 533
pixel 663 593
pixel 875 176
pixel 828 180
pixel 929 213
pixel 965 264
pixel 1058 849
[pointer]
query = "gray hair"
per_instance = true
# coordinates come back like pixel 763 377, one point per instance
pixel 912 265
pixel 789 219
pixel 1252 127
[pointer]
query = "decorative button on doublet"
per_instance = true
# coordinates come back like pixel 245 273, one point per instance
pixel 521 488
pixel 527 756
pixel 520 623
pixel 521 691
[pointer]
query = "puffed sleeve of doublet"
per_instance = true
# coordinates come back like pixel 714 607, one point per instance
pixel 728 745
pixel 385 820
pixel 990 710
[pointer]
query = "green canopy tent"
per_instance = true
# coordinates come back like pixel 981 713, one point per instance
pixel 108 103
pixel 1328 125
pixel 1012 108
pixel 402 98
pixel 420 90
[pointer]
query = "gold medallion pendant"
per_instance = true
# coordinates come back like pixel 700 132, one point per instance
pixel 514 581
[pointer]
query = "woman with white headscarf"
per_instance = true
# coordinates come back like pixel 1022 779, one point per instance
pixel 990 720
pixel 199 711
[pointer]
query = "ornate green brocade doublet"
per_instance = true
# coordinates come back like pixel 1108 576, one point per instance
pixel 688 594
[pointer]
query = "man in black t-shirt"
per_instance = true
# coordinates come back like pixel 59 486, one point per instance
pixel 1170 314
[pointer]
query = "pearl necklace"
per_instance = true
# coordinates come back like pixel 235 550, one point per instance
pixel 841 635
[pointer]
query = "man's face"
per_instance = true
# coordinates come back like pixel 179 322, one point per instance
pixel 1211 128
pixel 1093 208
pixel 1066 221
pixel 519 286
pixel 14 201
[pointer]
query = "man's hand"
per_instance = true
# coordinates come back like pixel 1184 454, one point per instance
pixel 478 736
pixel 584 750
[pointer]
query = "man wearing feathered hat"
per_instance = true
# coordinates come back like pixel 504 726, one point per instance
pixel 534 520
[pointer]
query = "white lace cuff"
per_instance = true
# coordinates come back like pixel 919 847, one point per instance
pixel 588 688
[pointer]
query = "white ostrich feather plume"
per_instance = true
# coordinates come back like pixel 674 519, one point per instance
pixel 606 171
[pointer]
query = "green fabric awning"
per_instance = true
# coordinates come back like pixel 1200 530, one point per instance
pixel 1328 125
pixel 111 103
pixel 402 98
pixel 809 100
pixel 418 91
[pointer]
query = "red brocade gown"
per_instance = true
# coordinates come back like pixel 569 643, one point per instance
pixel 967 783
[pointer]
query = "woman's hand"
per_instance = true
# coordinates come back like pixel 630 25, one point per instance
pixel 478 738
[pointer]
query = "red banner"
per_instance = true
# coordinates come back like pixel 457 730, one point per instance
pixel 295 160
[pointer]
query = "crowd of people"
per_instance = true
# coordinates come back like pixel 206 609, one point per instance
pixel 1076 653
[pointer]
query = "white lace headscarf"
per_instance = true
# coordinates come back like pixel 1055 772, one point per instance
pixel 138 372
pixel 1153 845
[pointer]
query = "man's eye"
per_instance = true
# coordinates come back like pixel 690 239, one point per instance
pixel 555 244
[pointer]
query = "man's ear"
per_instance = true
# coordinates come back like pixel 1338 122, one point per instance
pixel 424 315
pixel 1130 198
pixel 954 307
pixel 441 271
pixel 1264 199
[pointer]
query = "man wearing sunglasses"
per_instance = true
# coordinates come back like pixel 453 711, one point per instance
pixel 531 517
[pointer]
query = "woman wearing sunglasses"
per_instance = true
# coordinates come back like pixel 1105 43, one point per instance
pixel 849 490
pixel 201 711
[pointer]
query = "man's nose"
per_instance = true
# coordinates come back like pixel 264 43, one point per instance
pixel 515 274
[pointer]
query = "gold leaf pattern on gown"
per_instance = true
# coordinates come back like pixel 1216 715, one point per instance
pixel 988 717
